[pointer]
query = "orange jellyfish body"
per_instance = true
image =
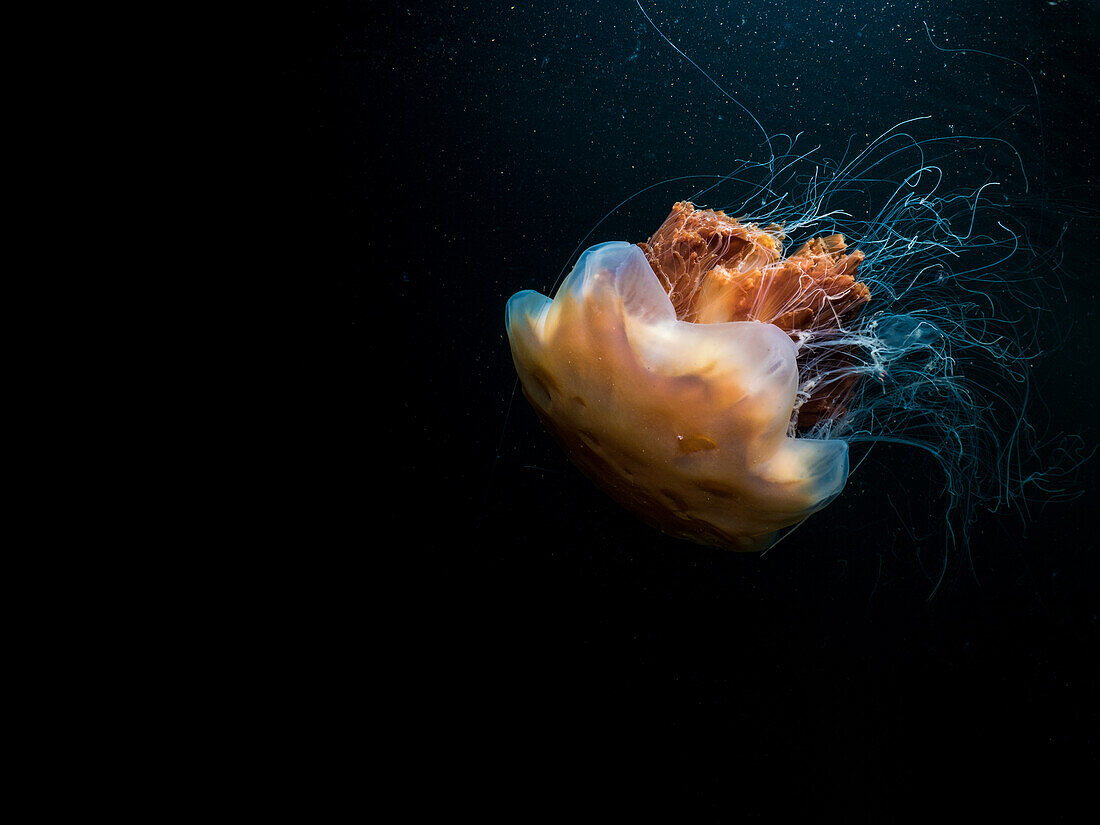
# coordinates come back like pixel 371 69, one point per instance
pixel 669 371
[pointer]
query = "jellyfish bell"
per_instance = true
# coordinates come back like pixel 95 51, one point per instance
pixel 687 375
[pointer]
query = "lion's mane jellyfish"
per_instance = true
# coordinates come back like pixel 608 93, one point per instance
pixel 695 377
pixel 714 384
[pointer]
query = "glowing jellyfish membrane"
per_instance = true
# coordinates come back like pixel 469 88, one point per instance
pixel 678 376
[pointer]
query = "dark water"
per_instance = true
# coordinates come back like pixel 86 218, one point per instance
pixel 447 155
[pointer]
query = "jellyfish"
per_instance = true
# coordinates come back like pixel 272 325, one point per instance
pixel 677 375
pixel 714 383
pixel 719 378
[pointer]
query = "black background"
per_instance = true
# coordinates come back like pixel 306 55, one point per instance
pixel 544 648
